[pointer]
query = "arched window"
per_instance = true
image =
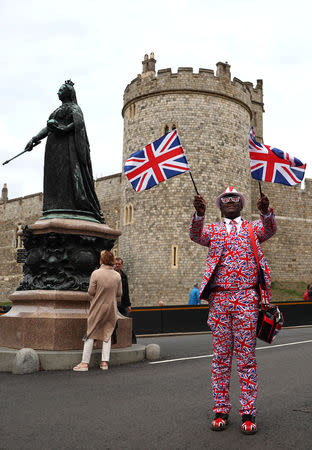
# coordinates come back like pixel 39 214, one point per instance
pixel 128 214
pixel 125 221
pixel 132 111
pixel 254 119
pixel 169 127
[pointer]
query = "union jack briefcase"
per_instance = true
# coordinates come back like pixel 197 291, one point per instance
pixel 270 321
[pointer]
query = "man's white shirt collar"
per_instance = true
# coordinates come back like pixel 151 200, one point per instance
pixel 238 220
pixel 228 224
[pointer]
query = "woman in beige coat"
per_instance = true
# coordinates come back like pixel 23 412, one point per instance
pixel 105 290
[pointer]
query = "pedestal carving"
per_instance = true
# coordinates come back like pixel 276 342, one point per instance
pixel 60 258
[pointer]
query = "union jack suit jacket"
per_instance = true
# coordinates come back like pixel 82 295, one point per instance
pixel 214 236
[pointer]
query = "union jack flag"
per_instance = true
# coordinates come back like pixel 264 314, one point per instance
pixel 274 165
pixel 156 162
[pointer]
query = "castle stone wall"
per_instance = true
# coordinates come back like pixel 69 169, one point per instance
pixel 213 116
pixel 15 212
pixel 289 250
pixel 108 192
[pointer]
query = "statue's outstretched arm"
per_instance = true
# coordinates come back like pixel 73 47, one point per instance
pixel 41 135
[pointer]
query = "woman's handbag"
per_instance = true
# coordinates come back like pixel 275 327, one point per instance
pixel 270 319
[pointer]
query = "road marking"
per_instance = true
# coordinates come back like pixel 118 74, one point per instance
pixel 283 345
pixel 211 355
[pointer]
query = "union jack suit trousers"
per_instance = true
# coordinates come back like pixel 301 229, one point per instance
pixel 228 284
pixel 233 321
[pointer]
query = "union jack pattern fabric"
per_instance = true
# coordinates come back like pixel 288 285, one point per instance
pixel 274 165
pixel 237 268
pixel 233 322
pixel 214 236
pixel 158 161
pixel 229 283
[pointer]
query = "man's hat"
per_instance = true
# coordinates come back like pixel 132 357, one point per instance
pixel 230 190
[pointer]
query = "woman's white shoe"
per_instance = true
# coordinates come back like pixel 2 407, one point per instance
pixel 80 368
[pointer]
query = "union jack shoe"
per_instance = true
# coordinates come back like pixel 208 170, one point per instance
pixel 220 422
pixel 249 425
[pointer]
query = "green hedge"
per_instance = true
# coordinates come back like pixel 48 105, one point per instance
pixel 288 291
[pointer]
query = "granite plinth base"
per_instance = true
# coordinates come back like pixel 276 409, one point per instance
pixel 52 320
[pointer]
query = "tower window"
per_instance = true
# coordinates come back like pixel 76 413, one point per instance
pixel 128 214
pixel 168 127
pixel 254 118
pixel 174 256
pixel 132 111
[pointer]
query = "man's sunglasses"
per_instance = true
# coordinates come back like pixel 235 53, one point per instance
pixel 234 199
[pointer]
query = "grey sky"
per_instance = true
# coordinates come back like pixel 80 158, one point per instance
pixel 100 46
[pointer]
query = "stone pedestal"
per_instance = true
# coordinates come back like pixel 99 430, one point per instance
pixel 50 306
pixel 52 320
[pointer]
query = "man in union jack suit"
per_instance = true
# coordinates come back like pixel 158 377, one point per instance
pixel 229 285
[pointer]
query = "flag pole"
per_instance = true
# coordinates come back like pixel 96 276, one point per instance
pixel 193 182
pixel 260 189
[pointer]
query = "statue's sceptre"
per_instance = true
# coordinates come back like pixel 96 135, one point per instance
pixel 24 151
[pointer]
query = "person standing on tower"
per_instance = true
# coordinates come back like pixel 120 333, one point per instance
pixel 229 284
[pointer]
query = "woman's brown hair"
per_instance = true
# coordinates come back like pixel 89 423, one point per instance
pixel 107 258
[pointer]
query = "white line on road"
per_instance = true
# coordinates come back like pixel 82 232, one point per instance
pixel 180 359
pixel 211 355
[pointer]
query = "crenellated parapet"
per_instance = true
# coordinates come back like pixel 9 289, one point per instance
pixel 186 81
pixel 256 92
pixel 308 188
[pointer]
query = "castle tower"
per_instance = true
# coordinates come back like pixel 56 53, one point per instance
pixel 213 114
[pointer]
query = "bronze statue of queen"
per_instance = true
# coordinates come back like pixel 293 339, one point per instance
pixel 68 180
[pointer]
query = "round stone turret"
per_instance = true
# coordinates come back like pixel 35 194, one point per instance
pixel 213 115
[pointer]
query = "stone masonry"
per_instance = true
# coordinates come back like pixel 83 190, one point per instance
pixel 213 114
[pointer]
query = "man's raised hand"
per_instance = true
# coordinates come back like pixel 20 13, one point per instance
pixel 263 204
pixel 199 204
